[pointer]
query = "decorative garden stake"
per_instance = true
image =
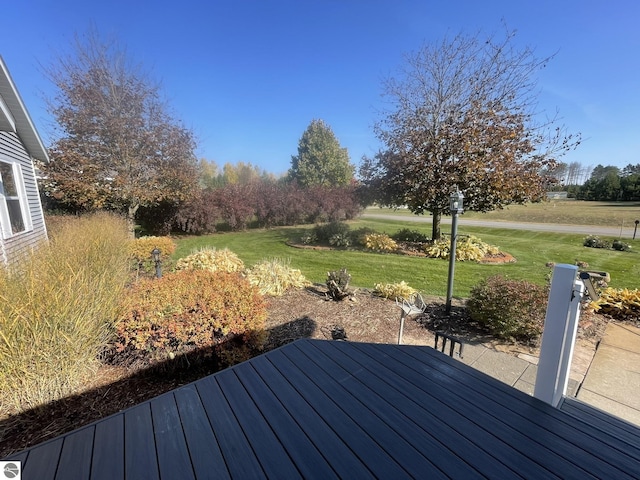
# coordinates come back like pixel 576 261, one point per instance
pixel 456 207
pixel 155 254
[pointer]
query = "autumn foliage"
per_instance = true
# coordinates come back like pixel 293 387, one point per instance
pixel 116 145
pixel 265 204
pixel 462 116
pixel 196 312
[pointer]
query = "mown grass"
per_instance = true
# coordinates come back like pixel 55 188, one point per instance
pixel 531 249
pixel 572 212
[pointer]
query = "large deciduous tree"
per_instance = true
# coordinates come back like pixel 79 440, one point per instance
pixel 321 161
pixel 117 145
pixel 461 114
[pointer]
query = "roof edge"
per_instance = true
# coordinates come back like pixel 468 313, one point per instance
pixel 25 127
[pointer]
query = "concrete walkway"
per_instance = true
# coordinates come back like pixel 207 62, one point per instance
pixel 607 378
pixel 613 381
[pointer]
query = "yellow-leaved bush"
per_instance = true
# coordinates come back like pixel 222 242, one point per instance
pixel 273 277
pixel 394 290
pixel 622 304
pixel 196 312
pixel 140 251
pixel 211 259
pixel 380 242
pixel 469 248
pixel 140 248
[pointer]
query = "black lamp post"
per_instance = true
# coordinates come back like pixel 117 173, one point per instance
pixel 456 207
pixel 155 254
pixel 635 229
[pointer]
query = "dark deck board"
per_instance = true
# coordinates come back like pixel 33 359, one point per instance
pixel 75 457
pixel 201 441
pixel 270 453
pixel 401 438
pixel 369 438
pixel 480 447
pixel 542 423
pixel 321 409
pixel 238 455
pixel 301 449
pixel 108 449
pixel 19 456
pixel 171 445
pixel 42 462
pixel 141 459
pixel 604 422
pixel 536 418
pixel 326 439
pixel 471 417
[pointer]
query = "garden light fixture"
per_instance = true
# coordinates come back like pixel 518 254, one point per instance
pixel 456 206
pixel 155 254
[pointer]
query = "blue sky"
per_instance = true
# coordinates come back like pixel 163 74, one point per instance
pixel 248 76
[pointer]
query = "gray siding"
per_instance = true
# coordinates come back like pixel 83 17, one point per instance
pixel 14 247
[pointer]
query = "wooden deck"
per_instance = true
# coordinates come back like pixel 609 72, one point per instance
pixel 325 409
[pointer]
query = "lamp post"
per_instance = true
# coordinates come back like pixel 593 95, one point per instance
pixel 456 207
pixel 155 254
pixel 635 229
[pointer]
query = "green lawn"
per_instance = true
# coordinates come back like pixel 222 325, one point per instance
pixel 531 249
pixel 572 212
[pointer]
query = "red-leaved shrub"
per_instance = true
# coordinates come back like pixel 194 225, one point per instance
pixel 194 312
pixel 509 308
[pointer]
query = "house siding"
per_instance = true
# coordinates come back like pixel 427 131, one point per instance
pixel 13 248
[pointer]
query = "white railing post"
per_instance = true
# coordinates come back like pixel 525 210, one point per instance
pixel 558 338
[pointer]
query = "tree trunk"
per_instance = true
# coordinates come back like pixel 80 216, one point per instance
pixel 436 234
pixel 131 218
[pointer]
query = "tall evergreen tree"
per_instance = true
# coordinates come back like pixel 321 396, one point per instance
pixel 321 161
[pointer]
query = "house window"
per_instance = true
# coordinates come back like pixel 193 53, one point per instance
pixel 13 208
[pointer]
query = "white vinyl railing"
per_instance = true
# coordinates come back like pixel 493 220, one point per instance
pixel 559 336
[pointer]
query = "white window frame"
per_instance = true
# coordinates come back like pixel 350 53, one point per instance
pixel 5 219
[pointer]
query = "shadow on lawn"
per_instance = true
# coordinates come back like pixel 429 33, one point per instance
pixel 123 390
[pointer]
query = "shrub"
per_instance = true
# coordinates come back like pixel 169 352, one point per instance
pixel 340 240
pixel 408 235
pixel 211 259
pixel 281 204
pixel 140 251
pixel 199 215
pixel 189 312
pixel 57 310
pixel 394 290
pixel 621 304
pixel 593 241
pixel 469 248
pixel 309 238
pixel 621 246
pixel 274 277
pixel 338 284
pixel 332 204
pixel 360 235
pixel 509 308
pixel 326 231
pixel 380 242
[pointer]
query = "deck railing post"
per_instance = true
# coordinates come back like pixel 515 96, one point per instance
pixel 558 338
